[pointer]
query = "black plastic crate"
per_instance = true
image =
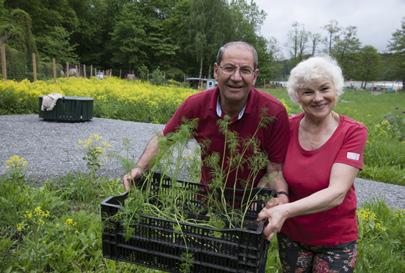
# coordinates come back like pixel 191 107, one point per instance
pixel 155 243
pixel 69 109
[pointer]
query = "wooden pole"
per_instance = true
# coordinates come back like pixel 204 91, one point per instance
pixel 91 70
pixel 84 71
pixel 54 68
pixel 67 69
pixel 34 67
pixel 3 61
pixel 77 71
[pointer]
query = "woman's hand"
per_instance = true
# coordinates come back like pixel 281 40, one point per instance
pixel 275 216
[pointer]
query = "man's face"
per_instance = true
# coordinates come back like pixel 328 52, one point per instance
pixel 235 74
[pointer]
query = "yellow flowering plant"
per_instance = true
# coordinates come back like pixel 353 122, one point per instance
pixel 16 167
pixel 370 226
pixel 114 98
pixel 94 148
pixel 33 219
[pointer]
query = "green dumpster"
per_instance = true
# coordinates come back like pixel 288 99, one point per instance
pixel 69 109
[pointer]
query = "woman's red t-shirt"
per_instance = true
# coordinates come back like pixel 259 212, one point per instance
pixel 307 172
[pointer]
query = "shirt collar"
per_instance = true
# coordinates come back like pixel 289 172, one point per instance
pixel 219 110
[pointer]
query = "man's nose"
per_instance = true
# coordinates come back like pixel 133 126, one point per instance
pixel 236 76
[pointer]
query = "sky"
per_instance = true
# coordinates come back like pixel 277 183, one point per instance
pixel 375 20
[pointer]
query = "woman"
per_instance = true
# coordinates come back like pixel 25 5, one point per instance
pixel 318 227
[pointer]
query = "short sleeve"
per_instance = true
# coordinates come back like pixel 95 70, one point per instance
pixel 352 150
pixel 177 119
pixel 279 137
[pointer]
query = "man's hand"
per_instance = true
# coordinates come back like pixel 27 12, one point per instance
pixel 129 178
pixel 279 200
pixel 150 151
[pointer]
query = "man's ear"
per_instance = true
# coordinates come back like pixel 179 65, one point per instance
pixel 256 75
pixel 216 67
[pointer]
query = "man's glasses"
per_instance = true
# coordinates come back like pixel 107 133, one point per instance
pixel 230 69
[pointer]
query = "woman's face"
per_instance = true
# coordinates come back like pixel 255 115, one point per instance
pixel 317 98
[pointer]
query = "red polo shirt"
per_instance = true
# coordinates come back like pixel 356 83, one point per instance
pixel 273 139
pixel 307 172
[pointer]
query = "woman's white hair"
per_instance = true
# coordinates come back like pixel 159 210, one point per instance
pixel 315 68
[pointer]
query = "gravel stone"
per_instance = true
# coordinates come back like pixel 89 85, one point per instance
pixel 52 150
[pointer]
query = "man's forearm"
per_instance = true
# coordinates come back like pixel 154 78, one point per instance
pixel 277 182
pixel 151 150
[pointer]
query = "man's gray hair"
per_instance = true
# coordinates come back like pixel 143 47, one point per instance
pixel 221 51
pixel 315 68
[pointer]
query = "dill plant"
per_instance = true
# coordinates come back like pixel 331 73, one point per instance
pixel 215 206
pixel 172 162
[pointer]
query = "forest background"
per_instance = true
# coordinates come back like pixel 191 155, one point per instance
pixel 179 38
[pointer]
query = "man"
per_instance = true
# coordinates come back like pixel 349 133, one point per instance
pixel 236 71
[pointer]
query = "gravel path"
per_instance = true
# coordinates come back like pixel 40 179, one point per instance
pixel 51 149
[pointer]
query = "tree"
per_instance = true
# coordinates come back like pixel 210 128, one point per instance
pixel 57 45
pixel 333 29
pixel 210 26
pixel 298 39
pixel 91 35
pixel 51 23
pixel 247 19
pixel 16 31
pixel 46 14
pixel 275 68
pixel 345 50
pixel 315 39
pixel 368 65
pixel 397 48
pixel 138 36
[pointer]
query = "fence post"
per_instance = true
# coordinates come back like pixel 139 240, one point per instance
pixel 34 67
pixel 3 61
pixel 54 69
pixel 91 70
pixel 67 69
pixel 84 71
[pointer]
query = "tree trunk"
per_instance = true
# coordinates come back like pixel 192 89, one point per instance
pixel 330 43
pixel 54 69
pixel 313 47
pixel 34 67
pixel 3 60
pixel 200 74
